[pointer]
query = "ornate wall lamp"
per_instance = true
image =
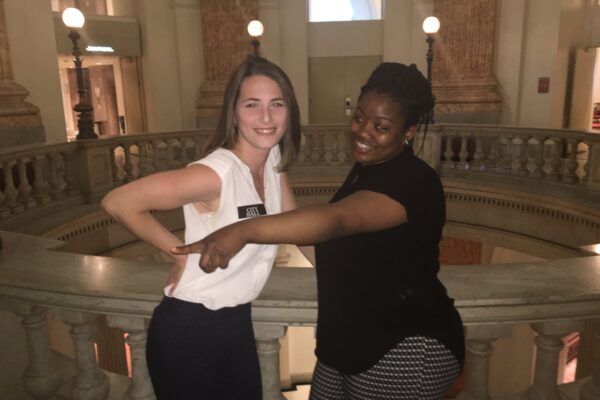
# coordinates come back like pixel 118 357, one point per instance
pixel 255 29
pixel 74 20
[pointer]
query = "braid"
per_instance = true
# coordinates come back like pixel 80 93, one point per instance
pixel 405 85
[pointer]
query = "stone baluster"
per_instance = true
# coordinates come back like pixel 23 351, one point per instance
pixel 156 155
pixel 591 389
pixel 476 162
pixel 448 153
pixel 571 164
pixel 41 187
pixel 199 144
pixel 116 162
pixel 321 149
pixel 523 156
pixel 11 193
pixel 584 180
pixel 172 162
pixel 144 164
pixel 90 382
pixel 479 348
pixel 70 188
pixel 308 148
pixel 335 147
pixel 140 387
pixel 267 346
pixel 540 159
pixel 549 344
pixel 184 159
pixel 42 377
pixel 4 211
pixel 507 158
pixel 491 158
pixel 57 172
pixel 348 157
pixel 463 154
pixel 127 165
pixel 555 163
pixel 24 187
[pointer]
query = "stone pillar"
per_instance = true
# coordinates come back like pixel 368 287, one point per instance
pixel 90 382
pixel 20 121
pixel 479 348
pixel 267 346
pixel 463 83
pixel 226 43
pixel 140 387
pixel 591 389
pixel 42 378
pixel 549 344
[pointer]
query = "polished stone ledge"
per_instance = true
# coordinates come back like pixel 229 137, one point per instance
pixel 33 273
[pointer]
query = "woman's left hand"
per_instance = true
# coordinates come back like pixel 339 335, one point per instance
pixel 216 249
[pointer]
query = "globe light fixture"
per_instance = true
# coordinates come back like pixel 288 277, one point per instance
pixel 255 30
pixel 431 25
pixel 74 20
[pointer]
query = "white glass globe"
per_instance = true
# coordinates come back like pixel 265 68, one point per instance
pixel 73 18
pixel 255 28
pixel 431 25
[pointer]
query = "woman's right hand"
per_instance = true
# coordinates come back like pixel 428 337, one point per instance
pixel 216 249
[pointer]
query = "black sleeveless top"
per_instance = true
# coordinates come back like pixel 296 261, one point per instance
pixel 376 288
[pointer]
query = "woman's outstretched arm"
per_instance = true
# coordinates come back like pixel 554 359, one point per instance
pixel 362 211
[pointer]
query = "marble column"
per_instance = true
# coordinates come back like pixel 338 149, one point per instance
pixel 591 389
pixel 463 80
pixel 20 121
pixel 188 32
pixel 42 378
pixel 140 387
pixel 549 344
pixel 478 351
pixel 267 347
pixel 226 43
pixel 90 382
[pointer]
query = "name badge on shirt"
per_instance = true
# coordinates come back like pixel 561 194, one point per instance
pixel 253 210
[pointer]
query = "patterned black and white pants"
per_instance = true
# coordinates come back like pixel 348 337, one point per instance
pixel 418 368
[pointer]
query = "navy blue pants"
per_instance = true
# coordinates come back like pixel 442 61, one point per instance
pixel 201 354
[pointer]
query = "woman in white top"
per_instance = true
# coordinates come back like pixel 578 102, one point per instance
pixel 200 339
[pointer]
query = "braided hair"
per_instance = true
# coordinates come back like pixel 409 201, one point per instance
pixel 407 86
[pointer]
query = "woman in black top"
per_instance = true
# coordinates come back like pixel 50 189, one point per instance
pixel 386 327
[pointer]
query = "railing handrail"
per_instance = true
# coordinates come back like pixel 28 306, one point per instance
pixel 484 294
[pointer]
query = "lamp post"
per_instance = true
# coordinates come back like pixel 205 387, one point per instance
pixel 255 29
pixel 74 20
pixel 431 25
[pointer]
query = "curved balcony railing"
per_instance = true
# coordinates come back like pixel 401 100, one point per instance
pixel 554 297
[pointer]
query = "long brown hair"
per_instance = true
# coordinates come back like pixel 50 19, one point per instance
pixel 226 134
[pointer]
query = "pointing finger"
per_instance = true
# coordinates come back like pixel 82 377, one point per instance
pixel 188 248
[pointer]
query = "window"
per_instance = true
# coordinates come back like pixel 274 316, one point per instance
pixel 344 10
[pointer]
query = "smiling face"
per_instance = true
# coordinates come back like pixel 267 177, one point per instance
pixel 261 113
pixel 377 131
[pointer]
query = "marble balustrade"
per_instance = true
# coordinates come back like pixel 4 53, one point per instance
pixel 41 176
pixel 35 279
